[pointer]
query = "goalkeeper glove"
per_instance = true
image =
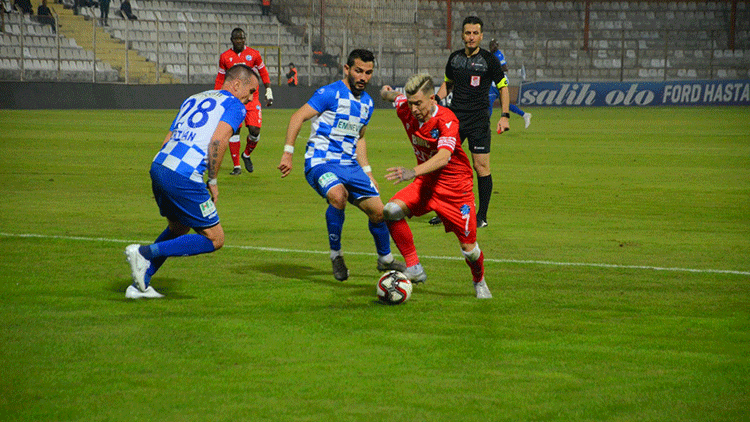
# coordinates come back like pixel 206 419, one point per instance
pixel 269 96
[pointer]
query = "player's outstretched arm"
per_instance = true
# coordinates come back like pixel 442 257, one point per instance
pixel 387 93
pixel 436 162
pixel 299 117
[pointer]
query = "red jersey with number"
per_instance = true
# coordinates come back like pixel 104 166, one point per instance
pixel 249 57
pixel 439 132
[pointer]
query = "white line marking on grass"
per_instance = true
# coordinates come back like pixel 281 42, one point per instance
pixel 447 258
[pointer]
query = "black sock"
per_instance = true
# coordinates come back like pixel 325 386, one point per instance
pixel 484 184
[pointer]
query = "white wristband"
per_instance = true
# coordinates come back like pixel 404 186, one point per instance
pixel 289 149
pixel 367 169
pixel 212 182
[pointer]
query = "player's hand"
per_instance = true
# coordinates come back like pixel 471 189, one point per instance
pixel 269 97
pixel 385 89
pixel 400 174
pixel 374 182
pixel 503 125
pixel 214 191
pixel 285 166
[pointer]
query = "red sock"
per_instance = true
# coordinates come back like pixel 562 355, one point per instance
pixel 251 144
pixel 477 268
pixel 404 239
pixel 234 149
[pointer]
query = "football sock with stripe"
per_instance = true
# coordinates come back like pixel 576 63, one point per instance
pixel 234 149
pixel 252 142
pixel 475 261
pixel 335 224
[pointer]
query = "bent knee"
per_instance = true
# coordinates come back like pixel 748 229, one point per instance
pixel 338 197
pixel 482 169
pixel 393 212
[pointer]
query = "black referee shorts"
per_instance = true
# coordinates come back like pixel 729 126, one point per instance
pixel 475 126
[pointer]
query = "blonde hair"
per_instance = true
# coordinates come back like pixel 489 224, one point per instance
pixel 421 82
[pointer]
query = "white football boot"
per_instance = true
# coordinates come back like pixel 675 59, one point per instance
pixel 526 120
pixel 483 292
pixel 133 292
pixel 138 266
pixel 416 274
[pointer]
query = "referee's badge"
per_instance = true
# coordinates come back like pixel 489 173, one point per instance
pixel 475 80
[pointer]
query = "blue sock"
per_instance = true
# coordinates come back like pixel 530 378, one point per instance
pixel 187 245
pixel 156 263
pixel 514 108
pixel 335 223
pixel 382 237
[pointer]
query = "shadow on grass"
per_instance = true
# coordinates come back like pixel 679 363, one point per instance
pixel 295 272
pixel 316 275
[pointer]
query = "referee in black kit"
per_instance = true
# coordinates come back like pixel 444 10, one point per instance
pixel 468 74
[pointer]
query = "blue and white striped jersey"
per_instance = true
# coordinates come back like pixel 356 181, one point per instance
pixel 192 129
pixel 335 131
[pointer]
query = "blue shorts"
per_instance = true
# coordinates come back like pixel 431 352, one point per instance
pixel 325 176
pixel 181 199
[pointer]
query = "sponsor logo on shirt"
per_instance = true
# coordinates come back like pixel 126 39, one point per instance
pixel 208 208
pixel 349 128
pixel 326 179
pixel 416 140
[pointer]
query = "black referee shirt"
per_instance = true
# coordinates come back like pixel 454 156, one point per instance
pixel 471 78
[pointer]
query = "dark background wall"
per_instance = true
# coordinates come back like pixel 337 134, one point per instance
pixel 77 95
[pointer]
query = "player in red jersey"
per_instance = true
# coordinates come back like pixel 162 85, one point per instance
pixel 443 179
pixel 239 53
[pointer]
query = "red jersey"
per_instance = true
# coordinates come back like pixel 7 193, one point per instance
pixel 248 56
pixel 439 132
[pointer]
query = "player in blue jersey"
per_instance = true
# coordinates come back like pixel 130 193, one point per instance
pixel 336 164
pixel 194 146
pixel 495 93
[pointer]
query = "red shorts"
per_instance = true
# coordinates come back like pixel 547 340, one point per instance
pixel 456 209
pixel 254 116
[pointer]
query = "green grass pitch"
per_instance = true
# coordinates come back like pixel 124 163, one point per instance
pixel 618 253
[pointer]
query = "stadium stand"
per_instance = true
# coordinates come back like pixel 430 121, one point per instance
pixel 180 40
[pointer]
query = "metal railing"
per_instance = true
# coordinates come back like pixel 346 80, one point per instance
pixel 182 51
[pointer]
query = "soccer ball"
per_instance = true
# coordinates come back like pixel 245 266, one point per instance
pixel 394 288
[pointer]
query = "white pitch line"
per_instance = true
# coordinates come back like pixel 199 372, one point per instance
pixel 447 258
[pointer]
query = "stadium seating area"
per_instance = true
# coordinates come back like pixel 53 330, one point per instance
pixel 180 40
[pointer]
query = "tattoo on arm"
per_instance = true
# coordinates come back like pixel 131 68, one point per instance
pixel 213 159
